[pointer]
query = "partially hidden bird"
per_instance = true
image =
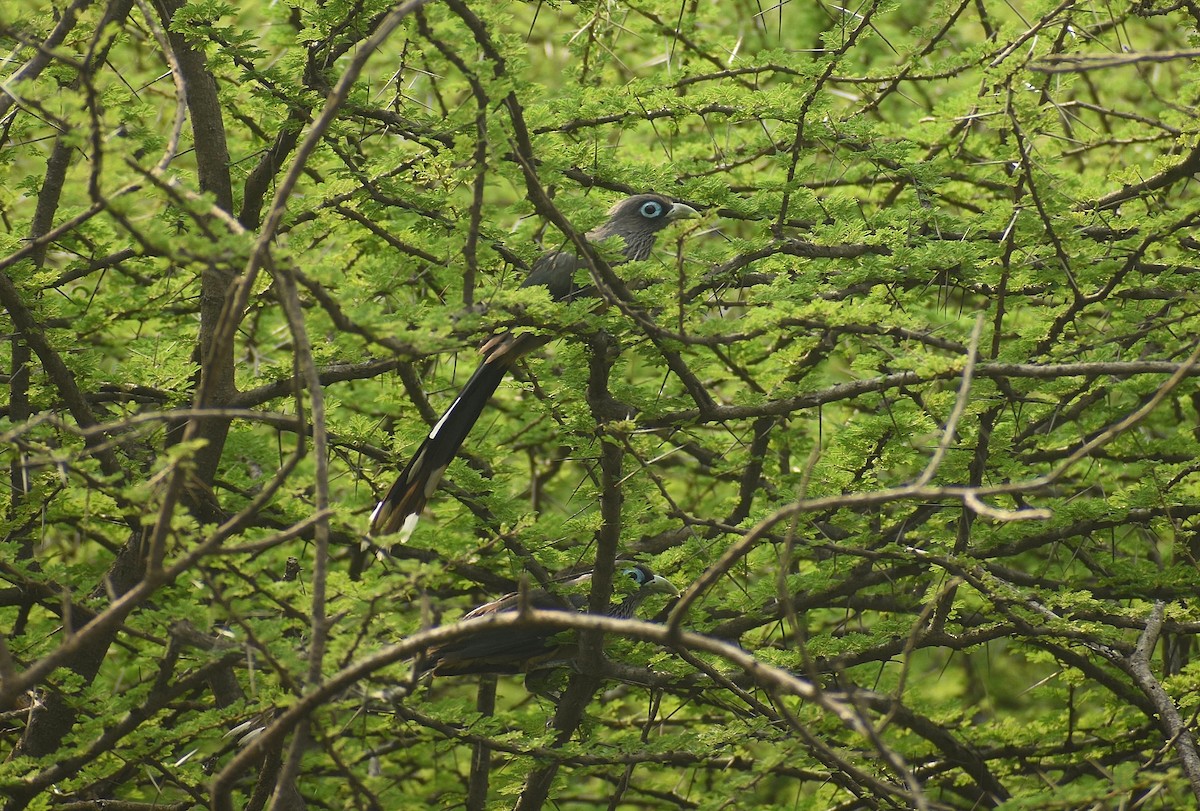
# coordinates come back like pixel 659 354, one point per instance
pixel 522 650
pixel 635 221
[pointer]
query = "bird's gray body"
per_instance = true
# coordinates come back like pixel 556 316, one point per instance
pixel 518 650
pixel 636 221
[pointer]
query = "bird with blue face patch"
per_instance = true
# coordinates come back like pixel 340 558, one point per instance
pixel 635 221
pixel 522 650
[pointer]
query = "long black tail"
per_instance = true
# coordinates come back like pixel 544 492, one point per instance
pixel 402 506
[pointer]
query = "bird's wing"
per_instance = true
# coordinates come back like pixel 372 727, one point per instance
pixel 501 650
pixel 555 271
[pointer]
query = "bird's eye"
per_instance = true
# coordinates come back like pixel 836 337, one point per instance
pixel 651 209
pixel 633 573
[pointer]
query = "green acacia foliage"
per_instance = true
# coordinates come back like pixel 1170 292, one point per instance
pixel 910 412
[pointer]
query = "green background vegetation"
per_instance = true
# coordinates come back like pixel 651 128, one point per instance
pixel 988 587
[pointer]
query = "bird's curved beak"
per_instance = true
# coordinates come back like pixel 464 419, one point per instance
pixel 681 211
pixel 661 585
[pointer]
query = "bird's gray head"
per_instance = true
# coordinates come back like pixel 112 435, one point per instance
pixel 647 583
pixel 637 219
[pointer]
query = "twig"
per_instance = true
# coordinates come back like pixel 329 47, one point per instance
pixel 1079 63
pixel 1169 719
pixel 306 371
pixel 960 406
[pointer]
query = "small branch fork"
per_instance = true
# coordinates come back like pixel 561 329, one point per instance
pixel 1169 718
